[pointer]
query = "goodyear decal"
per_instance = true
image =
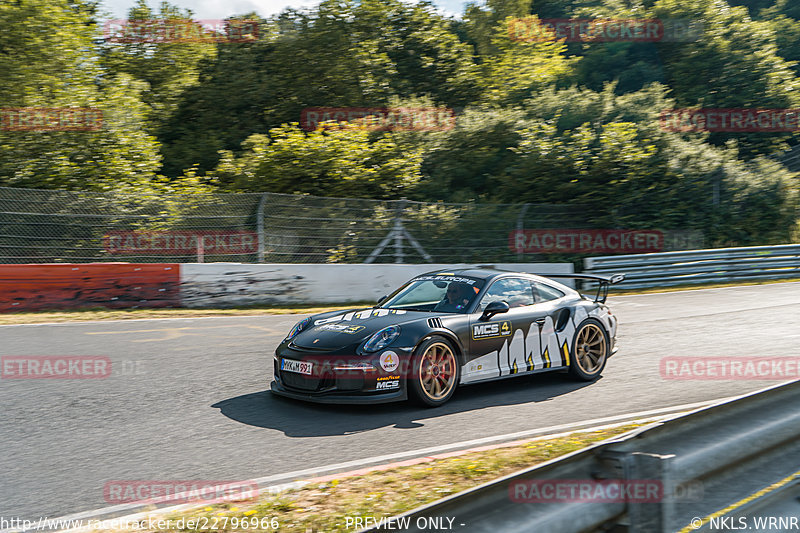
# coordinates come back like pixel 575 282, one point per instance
pixel 388 382
pixel 489 330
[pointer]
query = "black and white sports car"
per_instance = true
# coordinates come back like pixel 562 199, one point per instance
pixel 445 329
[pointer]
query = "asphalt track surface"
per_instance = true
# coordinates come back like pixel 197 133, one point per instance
pixel 188 398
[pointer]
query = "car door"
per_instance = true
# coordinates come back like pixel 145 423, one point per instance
pixel 497 345
pixel 558 327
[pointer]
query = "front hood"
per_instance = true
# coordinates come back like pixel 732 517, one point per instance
pixel 334 331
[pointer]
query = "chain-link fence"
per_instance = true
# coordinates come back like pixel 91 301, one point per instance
pixel 43 226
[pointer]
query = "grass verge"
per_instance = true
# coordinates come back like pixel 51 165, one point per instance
pixel 101 313
pixel 325 506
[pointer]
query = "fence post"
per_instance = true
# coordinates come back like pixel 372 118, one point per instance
pixel 398 231
pixel 260 227
pixel 521 225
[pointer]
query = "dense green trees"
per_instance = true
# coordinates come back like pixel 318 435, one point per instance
pixel 49 60
pixel 538 120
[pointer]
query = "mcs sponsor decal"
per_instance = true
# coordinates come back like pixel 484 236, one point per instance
pixel 491 329
pixel 388 382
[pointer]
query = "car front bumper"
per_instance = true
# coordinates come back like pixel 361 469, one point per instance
pixel 336 397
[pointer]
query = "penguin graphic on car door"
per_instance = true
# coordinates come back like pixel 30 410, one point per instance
pixel 530 336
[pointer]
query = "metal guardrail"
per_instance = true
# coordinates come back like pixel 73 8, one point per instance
pixel 700 266
pixel 706 461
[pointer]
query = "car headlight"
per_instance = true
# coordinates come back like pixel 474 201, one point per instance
pixel 300 326
pixel 382 339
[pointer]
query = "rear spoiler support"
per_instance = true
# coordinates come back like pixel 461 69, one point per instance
pixel 604 282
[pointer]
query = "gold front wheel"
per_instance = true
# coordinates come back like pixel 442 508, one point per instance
pixel 436 372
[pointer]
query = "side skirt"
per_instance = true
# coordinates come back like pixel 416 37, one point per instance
pixel 519 374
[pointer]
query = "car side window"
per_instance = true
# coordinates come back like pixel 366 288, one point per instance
pixel 545 293
pixel 517 292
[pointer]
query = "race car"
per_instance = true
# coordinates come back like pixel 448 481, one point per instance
pixel 444 329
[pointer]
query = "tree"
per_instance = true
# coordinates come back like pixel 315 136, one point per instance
pixel 168 68
pixel 340 54
pixel 338 160
pixel 521 67
pixel 734 64
pixel 49 61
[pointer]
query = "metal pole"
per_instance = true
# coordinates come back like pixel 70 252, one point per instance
pixel 260 227
pixel 521 225
pixel 398 232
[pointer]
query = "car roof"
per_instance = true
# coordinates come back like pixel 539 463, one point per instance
pixel 478 272
pixel 490 274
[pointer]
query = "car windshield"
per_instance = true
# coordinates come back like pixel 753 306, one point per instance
pixel 436 293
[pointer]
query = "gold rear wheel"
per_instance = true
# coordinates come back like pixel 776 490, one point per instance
pixel 589 351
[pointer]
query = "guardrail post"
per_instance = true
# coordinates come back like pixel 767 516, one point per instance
pixel 652 516
pixel 651 488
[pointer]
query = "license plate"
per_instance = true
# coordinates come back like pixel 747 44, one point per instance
pixel 300 367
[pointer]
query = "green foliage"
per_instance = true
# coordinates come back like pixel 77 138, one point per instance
pixel 520 68
pixel 49 62
pixel 339 54
pixel 538 121
pixel 334 160
pixel 167 68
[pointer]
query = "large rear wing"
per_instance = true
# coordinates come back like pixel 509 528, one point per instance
pixel 604 282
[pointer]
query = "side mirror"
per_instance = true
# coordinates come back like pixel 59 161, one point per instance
pixel 493 309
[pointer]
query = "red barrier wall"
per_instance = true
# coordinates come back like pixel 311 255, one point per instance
pixel 69 286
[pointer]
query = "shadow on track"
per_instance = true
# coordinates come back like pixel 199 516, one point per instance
pixel 304 419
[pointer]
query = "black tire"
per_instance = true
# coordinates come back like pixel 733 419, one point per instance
pixel 590 348
pixel 433 387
